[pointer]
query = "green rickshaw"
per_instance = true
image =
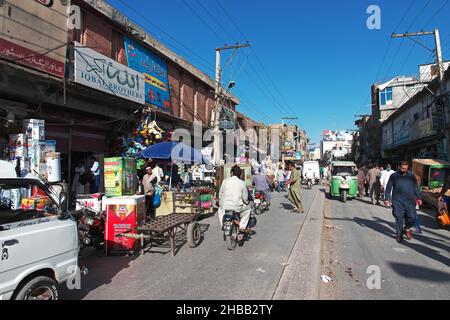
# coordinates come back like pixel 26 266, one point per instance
pixel 344 182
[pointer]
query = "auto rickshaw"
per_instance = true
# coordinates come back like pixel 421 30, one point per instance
pixel 344 181
pixel 430 176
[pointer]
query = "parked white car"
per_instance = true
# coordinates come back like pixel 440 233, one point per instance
pixel 38 244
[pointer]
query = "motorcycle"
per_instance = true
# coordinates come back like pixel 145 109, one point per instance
pixel 259 203
pixel 91 227
pixel 309 183
pixel 231 234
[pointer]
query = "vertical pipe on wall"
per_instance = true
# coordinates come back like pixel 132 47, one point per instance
pixel 70 165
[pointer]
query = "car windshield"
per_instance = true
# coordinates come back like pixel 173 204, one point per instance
pixel 21 202
pixel 343 171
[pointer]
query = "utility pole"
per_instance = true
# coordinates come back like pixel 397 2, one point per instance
pixel 442 88
pixel 283 135
pixel 217 99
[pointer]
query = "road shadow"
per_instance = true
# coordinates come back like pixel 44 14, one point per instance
pixel 366 201
pixel 427 251
pixel 419 273
pixel 164 246
pixel 287 206
pixel 388 229
pixel 102 270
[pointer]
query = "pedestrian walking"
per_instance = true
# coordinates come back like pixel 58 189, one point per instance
pixel 385 175
pixel 403 193
pixel 366 184
pixel 373 179
pixel 418 228
pixel 361 181
pixel 295 193
pixel 280 177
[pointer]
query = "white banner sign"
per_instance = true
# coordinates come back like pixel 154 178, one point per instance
pixel 97 71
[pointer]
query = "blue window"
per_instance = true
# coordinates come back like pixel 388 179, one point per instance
pixel 386 96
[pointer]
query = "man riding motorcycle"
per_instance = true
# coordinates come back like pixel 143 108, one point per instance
pixel 309 175
pixel 233 195
pixel 261 183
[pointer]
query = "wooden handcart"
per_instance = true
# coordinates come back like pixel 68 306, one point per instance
pixel 158 230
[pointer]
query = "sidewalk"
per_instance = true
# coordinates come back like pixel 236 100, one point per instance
pixel 301 276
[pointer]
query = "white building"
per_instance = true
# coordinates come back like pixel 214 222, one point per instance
pixel 336 143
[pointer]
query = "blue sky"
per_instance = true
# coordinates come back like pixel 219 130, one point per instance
pixel 314 60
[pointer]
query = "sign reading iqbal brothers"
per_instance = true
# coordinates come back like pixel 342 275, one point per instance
pixel 97 71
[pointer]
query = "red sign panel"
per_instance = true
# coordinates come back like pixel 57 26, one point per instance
pixel 39 61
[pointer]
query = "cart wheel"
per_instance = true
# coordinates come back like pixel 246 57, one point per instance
pixel 193 234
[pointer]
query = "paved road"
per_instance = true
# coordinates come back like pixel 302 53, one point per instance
pixel 358 235
pixel 209 271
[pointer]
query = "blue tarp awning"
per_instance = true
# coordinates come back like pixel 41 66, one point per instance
pixel 172 151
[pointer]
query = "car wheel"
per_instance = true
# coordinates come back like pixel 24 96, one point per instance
pixel 39 288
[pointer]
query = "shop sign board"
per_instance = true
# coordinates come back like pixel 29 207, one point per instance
pixel 437 119
pixel 34 34
pixel 154 70
pixel 425 128
pixel 227 119
pixel 99 72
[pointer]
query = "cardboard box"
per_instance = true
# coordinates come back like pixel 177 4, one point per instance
pixel 34 129
pixel 123 214
pixel 37 151
pixel 120 176
pixel 92 201
pixel 17 140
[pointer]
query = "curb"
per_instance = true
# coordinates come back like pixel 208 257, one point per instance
pixel 300 279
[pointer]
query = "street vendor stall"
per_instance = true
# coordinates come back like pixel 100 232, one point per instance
pixel 179 153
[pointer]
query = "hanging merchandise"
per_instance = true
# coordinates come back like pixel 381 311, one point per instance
pixel 145 133
pixel 140 163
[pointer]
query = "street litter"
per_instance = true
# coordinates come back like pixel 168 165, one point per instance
pixel 326 278
pixel 403 250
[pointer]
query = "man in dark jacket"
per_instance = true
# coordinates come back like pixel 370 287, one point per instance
pixel 404 198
